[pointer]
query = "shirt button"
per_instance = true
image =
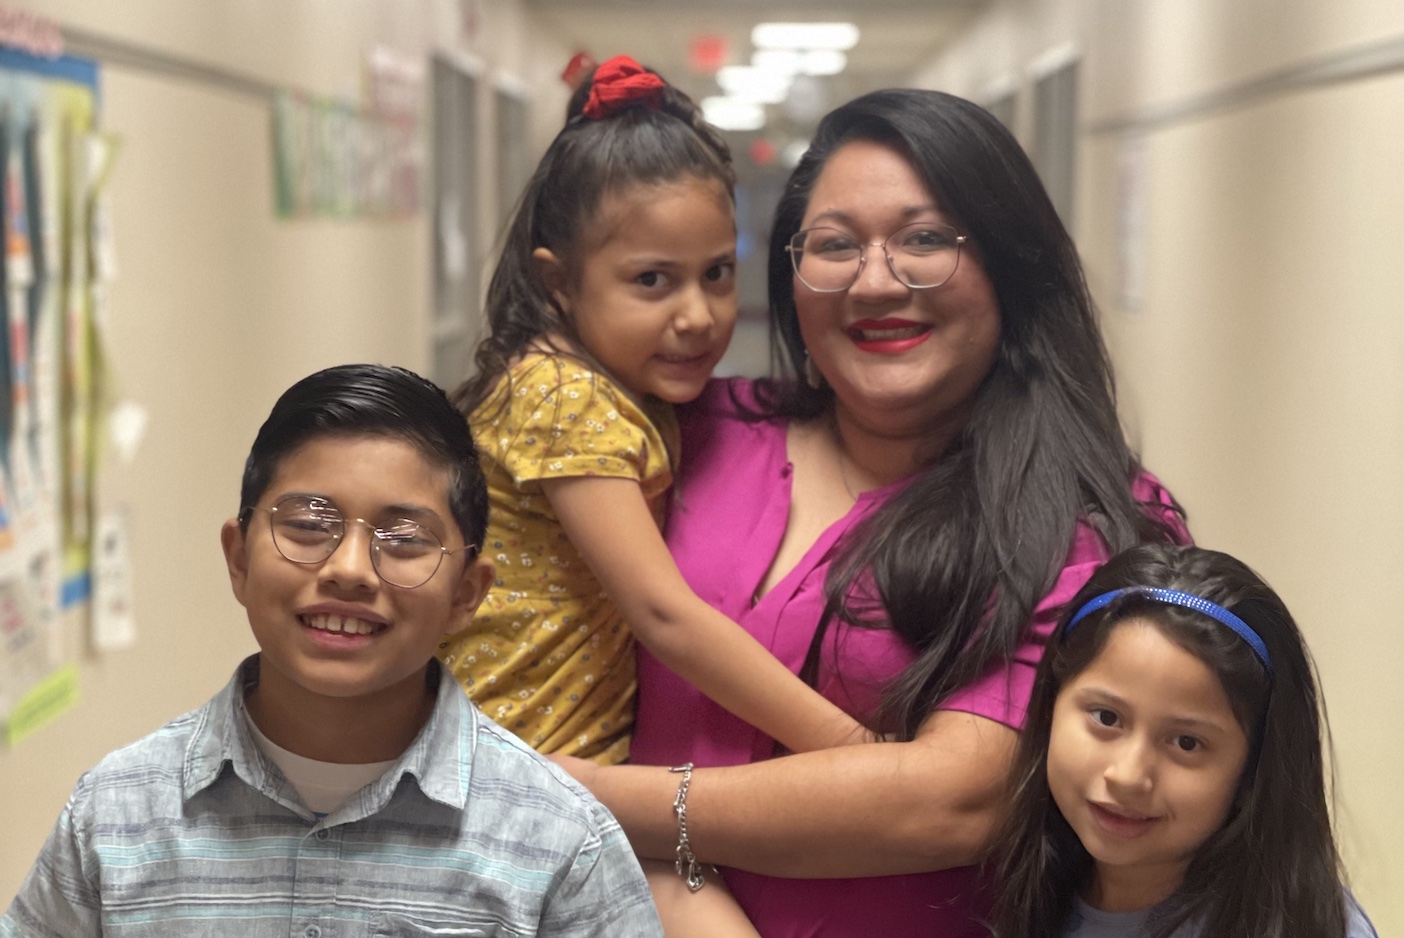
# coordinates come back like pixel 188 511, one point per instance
pixel 313 932
pixel 321 835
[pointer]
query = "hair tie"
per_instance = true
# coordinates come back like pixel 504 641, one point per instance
pixel 1177 598
pixel 622 83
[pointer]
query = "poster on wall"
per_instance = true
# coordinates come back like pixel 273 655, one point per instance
pixel 48 384
pixel 331 159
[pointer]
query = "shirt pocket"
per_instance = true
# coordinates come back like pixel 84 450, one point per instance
pixel 397 925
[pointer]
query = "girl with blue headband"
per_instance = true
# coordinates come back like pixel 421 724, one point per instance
pixel 1170 780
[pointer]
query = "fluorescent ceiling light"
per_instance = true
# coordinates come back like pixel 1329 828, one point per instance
pixel 839 36
pixel 791 62
pixel 731 114
pixel 824 62
pixel 783 61
pixel 754 84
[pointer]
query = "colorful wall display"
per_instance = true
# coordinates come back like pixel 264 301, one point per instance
pixel 53 165
pixel 333 159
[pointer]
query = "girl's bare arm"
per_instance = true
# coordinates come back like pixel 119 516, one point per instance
pixel 609 523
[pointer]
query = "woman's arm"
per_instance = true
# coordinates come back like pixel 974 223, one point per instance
pixel 609 523
pixel 872 810
pixel 859 810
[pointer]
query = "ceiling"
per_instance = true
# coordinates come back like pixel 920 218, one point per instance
pixel 897 37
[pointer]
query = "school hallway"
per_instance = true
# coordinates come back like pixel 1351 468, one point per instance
pixel 298 184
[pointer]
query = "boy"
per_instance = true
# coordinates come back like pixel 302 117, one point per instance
pixel 341 786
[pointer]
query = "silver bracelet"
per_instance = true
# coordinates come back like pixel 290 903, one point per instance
pixel 693 876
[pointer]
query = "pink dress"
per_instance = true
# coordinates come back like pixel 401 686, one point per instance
pixel 729 511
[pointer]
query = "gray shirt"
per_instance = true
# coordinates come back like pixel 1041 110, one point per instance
pixel 1087 922
pixel 193 831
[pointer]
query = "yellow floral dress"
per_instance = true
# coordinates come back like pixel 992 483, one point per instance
pixel 547 655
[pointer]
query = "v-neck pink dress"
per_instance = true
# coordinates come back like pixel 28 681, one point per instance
pixel 730 505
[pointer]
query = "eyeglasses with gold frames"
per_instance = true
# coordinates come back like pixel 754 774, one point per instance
pixel 921 256
pixel 308 530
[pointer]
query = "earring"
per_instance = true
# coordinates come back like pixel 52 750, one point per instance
pixel 812 377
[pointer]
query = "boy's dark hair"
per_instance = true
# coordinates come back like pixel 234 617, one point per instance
pixel 589 160
pixel 372 400
pixel 963 555
pixel 1275 852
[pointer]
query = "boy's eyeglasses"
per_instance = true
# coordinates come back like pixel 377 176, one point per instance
pixel 920 256
pixel 309 530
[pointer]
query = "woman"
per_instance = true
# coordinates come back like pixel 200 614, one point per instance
pixel 899 524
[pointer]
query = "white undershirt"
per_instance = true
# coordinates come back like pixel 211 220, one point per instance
pixel 324 786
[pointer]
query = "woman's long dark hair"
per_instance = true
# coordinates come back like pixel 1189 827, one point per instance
pixel 1272 870
pixel 588 160
pixel 961 556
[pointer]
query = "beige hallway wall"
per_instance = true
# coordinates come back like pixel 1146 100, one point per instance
pixel 217 308
pixel 1263 373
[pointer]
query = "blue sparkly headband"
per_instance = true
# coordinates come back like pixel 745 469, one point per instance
pixel 1177 598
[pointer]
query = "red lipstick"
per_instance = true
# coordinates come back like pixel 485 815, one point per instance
pixel 888 336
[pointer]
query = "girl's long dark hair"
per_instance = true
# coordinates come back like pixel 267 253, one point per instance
pixel 1272 871
pixel 961 556
pixel 588 160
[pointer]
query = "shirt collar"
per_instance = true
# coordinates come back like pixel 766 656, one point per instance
pixel 439 759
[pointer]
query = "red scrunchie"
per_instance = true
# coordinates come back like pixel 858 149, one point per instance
pixel 622 83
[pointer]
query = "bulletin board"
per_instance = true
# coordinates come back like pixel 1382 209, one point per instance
pixel 64 561
pixel 55 164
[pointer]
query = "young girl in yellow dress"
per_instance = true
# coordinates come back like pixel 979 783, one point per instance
pixel 614 298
